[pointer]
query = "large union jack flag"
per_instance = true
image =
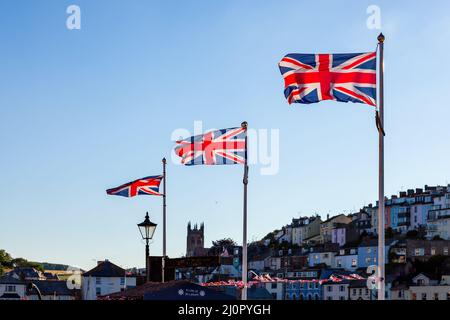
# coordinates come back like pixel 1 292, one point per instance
pixel 310 78
pixel 144 186
pixel 225 146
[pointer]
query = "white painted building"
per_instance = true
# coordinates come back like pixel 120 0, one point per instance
pixel 358 290
pixel 104 279
pixel 423 288
pixel 12 288
pixel 335 290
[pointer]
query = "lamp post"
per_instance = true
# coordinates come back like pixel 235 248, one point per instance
pixel 147 229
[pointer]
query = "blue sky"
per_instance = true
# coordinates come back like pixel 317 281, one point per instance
pixel 85 110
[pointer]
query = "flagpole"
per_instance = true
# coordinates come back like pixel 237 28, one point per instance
pixel 163 261
pixel 381 239
pixel 244 224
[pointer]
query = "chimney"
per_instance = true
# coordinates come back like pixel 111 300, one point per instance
pixel 419 190
pixel 402 194
pixel 410 192
pixel 328 216
pixel 100 262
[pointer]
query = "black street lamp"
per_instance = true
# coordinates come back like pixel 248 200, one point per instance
pixel 147 229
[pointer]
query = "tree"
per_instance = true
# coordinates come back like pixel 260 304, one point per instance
pixel 226 242
pixel 21 262
pixel 7 261
pixel 389 233
pixel 412 234
pixel 5 258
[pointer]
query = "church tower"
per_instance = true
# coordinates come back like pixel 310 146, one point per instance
pixel 195 240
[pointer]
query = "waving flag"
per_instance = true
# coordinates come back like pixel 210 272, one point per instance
pixel 226 146
pixel 144 186
pixel 310 78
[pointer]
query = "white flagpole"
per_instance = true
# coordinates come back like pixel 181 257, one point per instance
pixel 381 240
pixel 244 224
pixel 163 267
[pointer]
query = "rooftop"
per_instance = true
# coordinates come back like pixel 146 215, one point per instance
pixel 105 269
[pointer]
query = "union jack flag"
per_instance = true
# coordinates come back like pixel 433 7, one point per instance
pixel 310 78
pixel 225 146
pixel 144 186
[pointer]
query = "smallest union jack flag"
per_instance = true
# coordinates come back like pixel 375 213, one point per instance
pixel 225 146
pixel 144 186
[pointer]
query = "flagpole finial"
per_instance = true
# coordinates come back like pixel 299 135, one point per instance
pixel 244 124
pixel 381 38
pixel 164 160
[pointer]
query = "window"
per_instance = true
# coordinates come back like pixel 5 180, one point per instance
pixel 341 288
pixel 98 280
pixel 354 263
pixel 369 250
pixel 354 291
pixel 424 296
pixel 274 296
pixel 10 289
pixel 419 252
pixel 98 291
pixel 273 285
pixel 122 281
pixel 445 250
pixel 330 288
pixel 329 298
pixel 433 251
pixel 341 298
pixel 360 292
pixel 436 296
